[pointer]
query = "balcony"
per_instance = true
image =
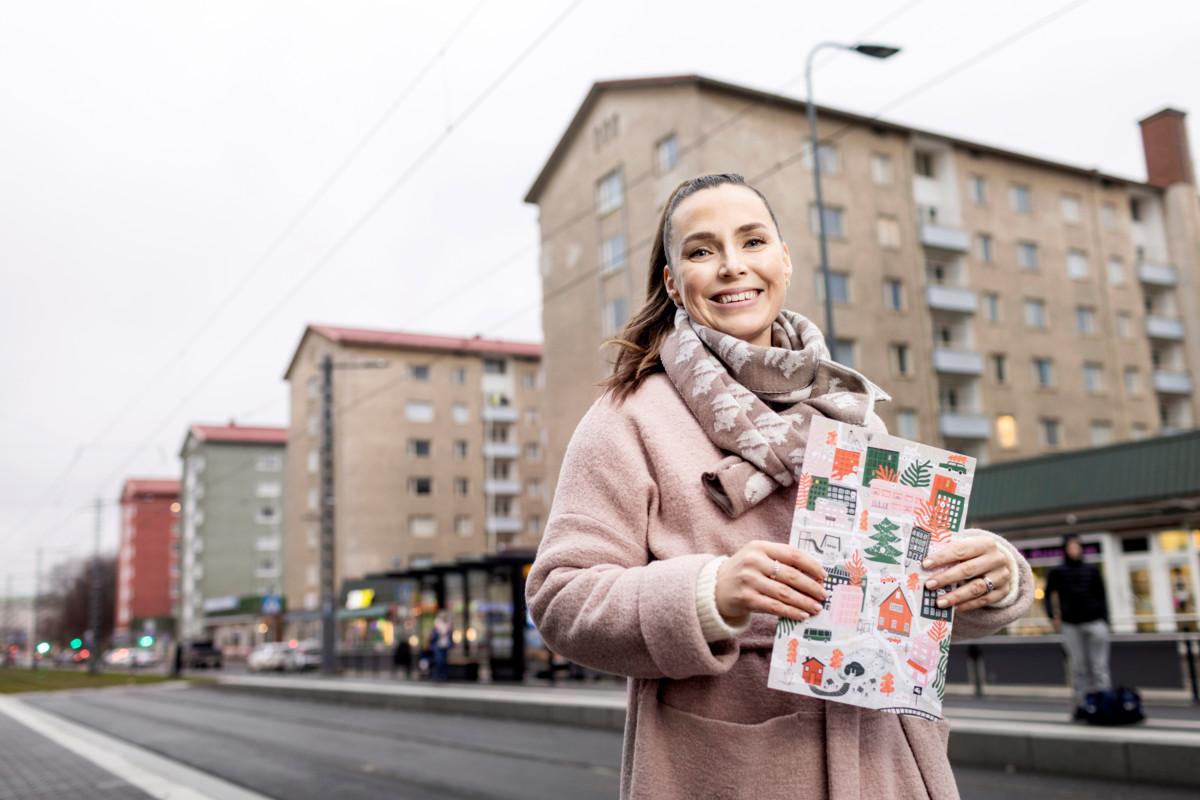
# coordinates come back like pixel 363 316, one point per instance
pixel 501 486
pixel 1164 328
pixel 957 362
pixel 503 525
pixel 944 237
pixel 266 572
pixel 951 298
pixel 500 414
pixel 1172 382
pixel 501 450
pixel 1157 274
pixel 964 426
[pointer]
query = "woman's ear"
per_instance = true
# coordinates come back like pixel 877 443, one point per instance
pixel 669 283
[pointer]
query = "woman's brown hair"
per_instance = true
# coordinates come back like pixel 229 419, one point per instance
pixel 640 343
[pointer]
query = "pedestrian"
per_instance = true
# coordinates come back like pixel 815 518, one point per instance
pixel 665 556
pixel 402 655
pixel 441 640
pixel 1078 609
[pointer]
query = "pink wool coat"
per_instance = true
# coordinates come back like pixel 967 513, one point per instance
pixel 614 588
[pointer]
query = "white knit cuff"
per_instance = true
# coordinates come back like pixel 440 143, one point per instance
pixel 1014 584
pixel 712 624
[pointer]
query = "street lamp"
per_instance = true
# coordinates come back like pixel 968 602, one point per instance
pixel 874 51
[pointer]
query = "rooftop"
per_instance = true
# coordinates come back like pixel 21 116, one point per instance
pixel 153 487
pixel 239 434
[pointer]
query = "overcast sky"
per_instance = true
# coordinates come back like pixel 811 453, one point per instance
pixel 151 153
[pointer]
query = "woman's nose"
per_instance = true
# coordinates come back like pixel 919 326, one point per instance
pixel 732 265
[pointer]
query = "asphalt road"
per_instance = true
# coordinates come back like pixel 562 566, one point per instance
pixel 299 749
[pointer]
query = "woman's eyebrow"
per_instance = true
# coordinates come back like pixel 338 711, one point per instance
pixel 701 235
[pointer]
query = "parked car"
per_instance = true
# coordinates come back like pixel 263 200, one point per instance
pixel 203 654
pixel 268 656
pixel 304 655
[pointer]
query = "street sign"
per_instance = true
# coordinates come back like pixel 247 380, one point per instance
pixel 272 604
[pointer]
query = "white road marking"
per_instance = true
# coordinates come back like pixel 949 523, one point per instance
pixel 954 713
pixel 155 775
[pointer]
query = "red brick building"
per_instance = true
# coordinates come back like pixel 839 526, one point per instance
pixel 147 561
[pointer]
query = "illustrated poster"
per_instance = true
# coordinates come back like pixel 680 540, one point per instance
pixel 870 507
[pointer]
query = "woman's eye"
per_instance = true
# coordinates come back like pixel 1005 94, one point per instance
pixel 755 241
pixel 699 251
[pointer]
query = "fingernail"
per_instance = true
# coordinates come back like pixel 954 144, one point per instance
pixel 941 602
pixel 803 615
pixel 929 584
pixel 927 563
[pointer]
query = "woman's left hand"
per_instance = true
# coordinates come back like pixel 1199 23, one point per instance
pixel 968 561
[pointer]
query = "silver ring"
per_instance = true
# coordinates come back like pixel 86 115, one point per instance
pixel 775 572
pixel 991 587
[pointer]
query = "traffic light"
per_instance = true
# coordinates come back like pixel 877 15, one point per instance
pixel 76 643
pixel 146 640
pixel 43 648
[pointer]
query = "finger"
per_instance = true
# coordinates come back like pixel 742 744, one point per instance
pixel 769 605
pixel 801 583
pixel 964 571
pixel 778 590
pixel 980 602
pixel 961 550
pixel 974 589
pixel 795 558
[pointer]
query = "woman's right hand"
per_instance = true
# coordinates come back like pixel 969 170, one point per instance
pixel 744 583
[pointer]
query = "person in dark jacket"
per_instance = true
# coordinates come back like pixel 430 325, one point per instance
pixel 1076 604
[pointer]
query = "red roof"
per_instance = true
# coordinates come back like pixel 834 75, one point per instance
pixel 159 487
pixel 240 434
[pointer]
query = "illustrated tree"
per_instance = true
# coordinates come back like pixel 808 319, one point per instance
pixel 835 659
pixel 856 569
pixel 887 683
pixel 885 473
pixel 803 487
pixel 934 518
pixel 784 627
pixel 918 473
pixel 884 537
pixel 913 581
pixel 937 632
pixel 793 645
pixel 862 520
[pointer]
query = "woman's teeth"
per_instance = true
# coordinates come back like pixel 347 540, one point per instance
pixel 733 298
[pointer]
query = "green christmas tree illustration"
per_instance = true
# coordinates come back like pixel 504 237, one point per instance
pixel 882 551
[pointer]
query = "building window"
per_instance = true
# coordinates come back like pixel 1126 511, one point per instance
pixel 268 489
pixel 533 487
pixel 314 500
pixel 979 190
pixel 1100 432
pixel 1043 372
pixel 1085 320
pixel 1135 209
pixel 422 525
pixel 835 221
pixel 458 375
pixel 1035 314
pixel 828 153
pixel 893 293
pixel 1072 208
pixel 901 363
pixel 923 164
pixel 464 525
pixel 1116 271
pixel 1124 325
pixel 1006 431
pixel 843 352
pixel 1050 432
pixel 984 244
pixel 495 366
pixel 666 153
pixel 266 515
pixel 1138 430
pixel 418 411
pixel 420 487
pixel 460 413
pixel 418 372
pixel 839 287
pixel 1133 383
pixel 269 463
pixel 1022 198
pixel 1000 368
pixel 906 424
pixel 1027 255
pixel 532 416
pixel 1093 377
pixel 462 487
pixel 616 314
pixel 529 380
pixel 888 230
pixel 534 525
pixel 533 451
pixel 420 448
pixel 991 306
pixel 460 448
pixel 612 253
pixel 1108 215
pixel 881 169
pixel 610 192
pixel 1077 264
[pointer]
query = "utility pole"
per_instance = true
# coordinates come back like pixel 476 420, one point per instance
pixel 33 618
pixel 94 601
pixel 328 623
pixel 7 615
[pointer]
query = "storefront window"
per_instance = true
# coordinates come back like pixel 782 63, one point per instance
pixel 1143 602
pixel 1183 601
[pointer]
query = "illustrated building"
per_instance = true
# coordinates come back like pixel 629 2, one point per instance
pixel 147 558
pixel 1047 287
pixel 878 457
pixel 845 462
pixel 813 671
pixel 438 455
pixel 942 483
pixel 918 544
pixel 845 606
pixel 819 489
pixel 847 495
pixel 834 577
pixel 953 504
pixel 929 606
pixel 895 616
pixel 919 673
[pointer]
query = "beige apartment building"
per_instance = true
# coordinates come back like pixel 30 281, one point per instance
pixel 1011 305
pixel 438 453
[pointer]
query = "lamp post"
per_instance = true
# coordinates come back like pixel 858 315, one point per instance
pixel 874 51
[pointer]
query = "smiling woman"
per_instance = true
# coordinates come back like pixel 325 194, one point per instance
pixel 665 558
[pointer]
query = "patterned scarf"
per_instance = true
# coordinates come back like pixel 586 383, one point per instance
pixel 756 402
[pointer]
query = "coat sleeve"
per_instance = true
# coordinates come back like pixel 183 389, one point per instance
pixel 595 592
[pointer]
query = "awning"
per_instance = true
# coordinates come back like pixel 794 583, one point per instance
pixel 362 613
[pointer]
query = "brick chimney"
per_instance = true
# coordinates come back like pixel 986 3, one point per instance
pixel 1165 141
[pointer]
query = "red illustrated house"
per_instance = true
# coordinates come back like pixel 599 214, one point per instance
pixel 895 615
pixel 814 671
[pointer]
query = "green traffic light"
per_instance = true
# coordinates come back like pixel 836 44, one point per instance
pixel 76 643
pixel 146 640
pixel 43 647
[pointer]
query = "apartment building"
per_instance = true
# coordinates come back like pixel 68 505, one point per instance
pixel 438 452
pixel 231 518
pixel 1010 304
pixel 148 556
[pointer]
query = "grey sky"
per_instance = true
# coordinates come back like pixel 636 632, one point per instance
pixel 150 152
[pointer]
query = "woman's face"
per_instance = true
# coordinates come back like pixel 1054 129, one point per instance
pixel 731 270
